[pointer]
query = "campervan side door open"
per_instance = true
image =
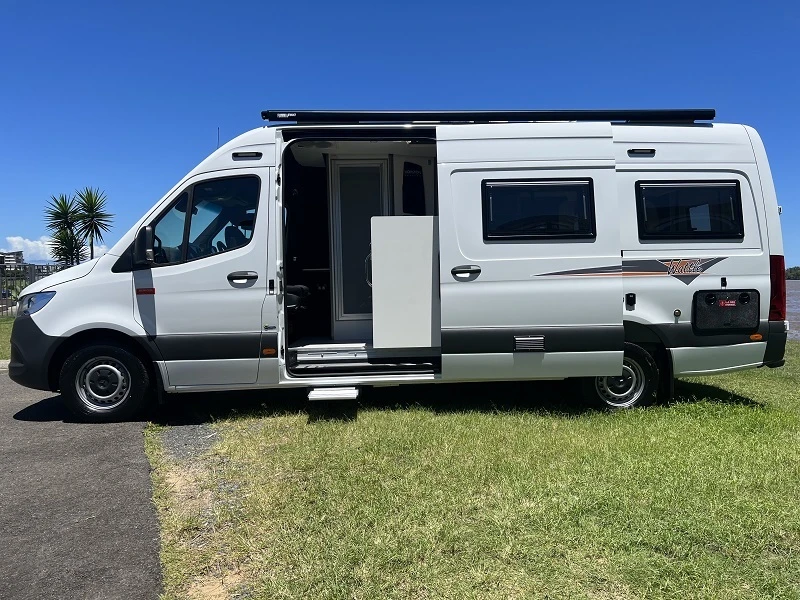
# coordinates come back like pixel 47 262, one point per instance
pixel 529 243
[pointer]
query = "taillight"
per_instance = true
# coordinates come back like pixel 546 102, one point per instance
pixel 777 294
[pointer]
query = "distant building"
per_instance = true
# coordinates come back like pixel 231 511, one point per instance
pixel 11 259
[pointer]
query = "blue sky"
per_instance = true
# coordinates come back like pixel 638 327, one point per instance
pixel 128 96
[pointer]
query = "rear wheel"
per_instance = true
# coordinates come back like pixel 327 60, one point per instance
pixel 104 383
pixel 636 386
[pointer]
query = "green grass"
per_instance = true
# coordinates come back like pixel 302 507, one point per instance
pixel 5 337
pixel 510 496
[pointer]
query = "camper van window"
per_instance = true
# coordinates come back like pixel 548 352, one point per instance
pixel 532 209
pixel 695 210
pixel 221 218
pixel 169 230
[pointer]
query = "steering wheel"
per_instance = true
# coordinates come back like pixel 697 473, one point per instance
pixel 192 251
pixel 158 250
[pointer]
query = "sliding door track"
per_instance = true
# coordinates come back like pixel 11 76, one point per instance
pixel 360 359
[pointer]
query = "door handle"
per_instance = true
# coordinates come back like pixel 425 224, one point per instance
pixel 242 276
pixel 465 272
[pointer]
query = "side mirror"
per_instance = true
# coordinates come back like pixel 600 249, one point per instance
pixel 143 253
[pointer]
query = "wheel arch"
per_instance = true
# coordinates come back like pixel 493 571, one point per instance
pixel 141 347
pixel 652 340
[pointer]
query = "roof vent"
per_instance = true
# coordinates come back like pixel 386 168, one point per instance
pixel 247 155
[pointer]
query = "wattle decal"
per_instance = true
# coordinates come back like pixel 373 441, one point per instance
pixel 684 269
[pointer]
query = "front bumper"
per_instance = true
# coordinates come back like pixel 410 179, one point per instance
pixel 31 352
pixel 776 344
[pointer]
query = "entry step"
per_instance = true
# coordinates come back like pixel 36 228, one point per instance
pixel 333 393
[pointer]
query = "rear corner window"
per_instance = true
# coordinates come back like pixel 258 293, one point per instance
pixel 689 210
pixel 535 209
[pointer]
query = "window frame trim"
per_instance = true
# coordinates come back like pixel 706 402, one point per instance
pixel 187 223
pixel 490 239
pixel 704 237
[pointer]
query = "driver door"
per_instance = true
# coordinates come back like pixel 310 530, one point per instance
pixel 201 301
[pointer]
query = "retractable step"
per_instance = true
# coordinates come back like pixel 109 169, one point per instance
pixel 362 368
pixel 333 393
pixel 318 360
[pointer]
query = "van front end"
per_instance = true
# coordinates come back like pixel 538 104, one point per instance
pixel 74 332
pixel 31 349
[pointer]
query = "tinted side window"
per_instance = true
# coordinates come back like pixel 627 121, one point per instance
pixel 681 210
pixel 169 232
pixel 531 209
pixel 221 215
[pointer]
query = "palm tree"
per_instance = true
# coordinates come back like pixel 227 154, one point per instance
pixel 67 248
pixel 93 220
pixel 61 213
pixel 61 218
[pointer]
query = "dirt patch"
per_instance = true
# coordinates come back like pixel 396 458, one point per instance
pixel 190 502
pixel 184 480
pixel 215 587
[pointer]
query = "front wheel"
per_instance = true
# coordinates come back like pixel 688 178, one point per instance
pixel 104 383
pixel 636 386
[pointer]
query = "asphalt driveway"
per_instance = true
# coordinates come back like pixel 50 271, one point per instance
pixel 76 518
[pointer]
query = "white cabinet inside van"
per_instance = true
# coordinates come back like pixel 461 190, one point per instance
pixel 405 283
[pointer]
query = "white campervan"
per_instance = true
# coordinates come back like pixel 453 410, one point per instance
pixel 338 249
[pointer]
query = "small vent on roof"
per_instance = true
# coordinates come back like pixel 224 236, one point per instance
pixel 247 155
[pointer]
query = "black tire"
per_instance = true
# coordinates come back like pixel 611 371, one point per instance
pixel 104 383
pixel 636 386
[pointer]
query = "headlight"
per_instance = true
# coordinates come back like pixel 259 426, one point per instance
pixel 31 303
